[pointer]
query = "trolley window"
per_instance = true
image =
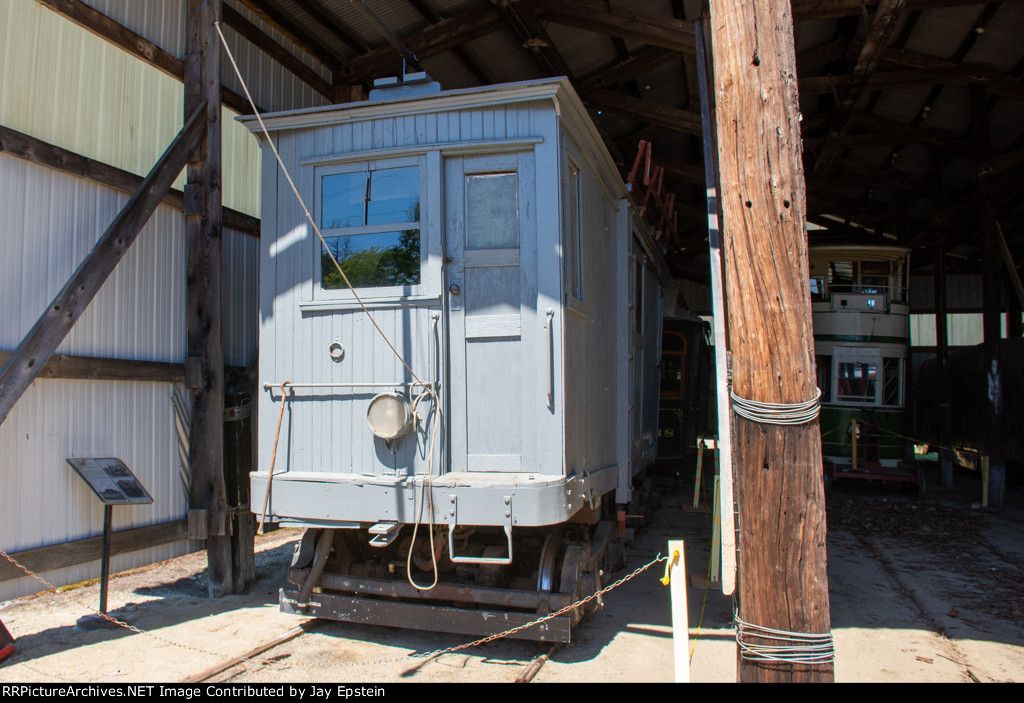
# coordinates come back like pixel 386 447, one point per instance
pixel 370 219
pixel 856 382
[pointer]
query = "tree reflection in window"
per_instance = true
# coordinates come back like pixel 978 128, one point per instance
pixel 372 220
pixel 373 260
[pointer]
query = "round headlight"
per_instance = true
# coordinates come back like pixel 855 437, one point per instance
pixel 389 416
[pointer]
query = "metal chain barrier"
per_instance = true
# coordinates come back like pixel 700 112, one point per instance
pixel 120 623
pixel 426 655
pixel 561 611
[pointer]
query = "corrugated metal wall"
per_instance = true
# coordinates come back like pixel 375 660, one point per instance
pixel 66 86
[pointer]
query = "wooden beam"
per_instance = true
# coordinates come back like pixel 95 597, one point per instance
pixel 692 173
pixel 204 362
pixel 780 500
pixel 874 176
pixel 39 152
pixel 258 38
pixel 883 24
pixel 995 402
pixel 822 55
pixel 644 61
pixel 106 369
pixel 83 551
pixel 331 25
pixel 274 17
pixel 1001 162
pixel 32 354
pixel 824 9
pixel 135 44
pixel 617 21
pixel 464 56
pixel 521 19
pixel 645 110
pixel 434 39
pixel 946 75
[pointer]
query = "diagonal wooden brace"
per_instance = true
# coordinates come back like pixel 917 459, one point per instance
pixel 28 360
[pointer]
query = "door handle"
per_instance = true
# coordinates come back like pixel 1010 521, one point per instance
pixel 454 289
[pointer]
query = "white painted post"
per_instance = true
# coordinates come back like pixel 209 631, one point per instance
pixel 676 574
pixel 716 538
pixel 697 477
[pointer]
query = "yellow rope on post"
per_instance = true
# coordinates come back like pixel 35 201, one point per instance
pixel 273 455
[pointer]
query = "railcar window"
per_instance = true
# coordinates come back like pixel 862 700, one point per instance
pixel 856 382
pixel 673 361
pixel 371 223
pixel 891 383
pixel 573 233
pixel 492 205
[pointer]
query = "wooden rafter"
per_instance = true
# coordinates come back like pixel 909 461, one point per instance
pixel 524 23
pixel 35 350
pixel 644 61
pixel 955 74
pixel 134 44
pixel 274 17
pixel 645 110
pixel 428 14
pixel 313 9
pixel 273 49
pixel 434 39
pixel 819 56
pixel 823 9
pixel 39 152
pixel 617 21
pixel 882 27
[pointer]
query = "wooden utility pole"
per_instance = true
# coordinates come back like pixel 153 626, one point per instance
pixel 779 492
pixel 204 365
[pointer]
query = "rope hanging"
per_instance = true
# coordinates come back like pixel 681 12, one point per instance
pixel 758 643
pixel 777 413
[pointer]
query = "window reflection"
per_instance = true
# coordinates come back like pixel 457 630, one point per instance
pixel 381 210
pixel 373 260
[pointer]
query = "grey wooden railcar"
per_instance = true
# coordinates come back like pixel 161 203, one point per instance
pixel 490 237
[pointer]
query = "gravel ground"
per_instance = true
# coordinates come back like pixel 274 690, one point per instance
pixel 928 592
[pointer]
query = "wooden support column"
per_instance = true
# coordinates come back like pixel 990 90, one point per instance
pixel 945 419
pixel 779 492
pixel 942 360
pixel 992 307
pixel 204 365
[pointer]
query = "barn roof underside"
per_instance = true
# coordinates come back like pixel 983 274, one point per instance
pixel 891 95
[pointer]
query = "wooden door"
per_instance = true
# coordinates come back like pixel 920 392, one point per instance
pixel 490 294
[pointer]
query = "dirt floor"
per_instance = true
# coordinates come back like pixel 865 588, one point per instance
pixel 927 592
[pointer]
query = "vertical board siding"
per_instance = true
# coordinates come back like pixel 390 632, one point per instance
pixel 64 85
pixel 590 350
pixel 317 434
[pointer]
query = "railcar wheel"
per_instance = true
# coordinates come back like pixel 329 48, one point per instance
pixel 549 572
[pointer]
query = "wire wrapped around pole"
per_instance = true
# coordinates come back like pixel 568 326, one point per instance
pixel 777 413
pixel 758 643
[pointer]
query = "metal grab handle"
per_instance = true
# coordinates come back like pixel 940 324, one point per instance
pixel 479 560
pixel 434 344
pixel 551 359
